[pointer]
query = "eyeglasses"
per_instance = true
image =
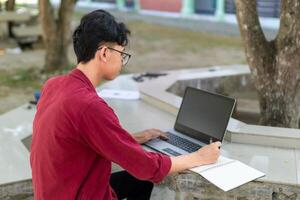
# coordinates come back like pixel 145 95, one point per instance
pixel 125 56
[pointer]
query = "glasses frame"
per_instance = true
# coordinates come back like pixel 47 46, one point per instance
pixel 125 56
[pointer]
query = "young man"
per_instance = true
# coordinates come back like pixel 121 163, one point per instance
pixel 76 135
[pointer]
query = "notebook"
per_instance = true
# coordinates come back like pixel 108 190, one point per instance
pixel 229 175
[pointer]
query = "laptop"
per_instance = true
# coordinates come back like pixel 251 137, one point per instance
pixel 202 119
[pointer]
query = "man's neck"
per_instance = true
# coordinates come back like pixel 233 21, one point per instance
pixel 89 71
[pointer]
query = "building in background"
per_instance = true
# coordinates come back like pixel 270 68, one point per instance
pixel 219 10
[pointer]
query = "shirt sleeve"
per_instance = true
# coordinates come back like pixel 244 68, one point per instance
pixel 102 131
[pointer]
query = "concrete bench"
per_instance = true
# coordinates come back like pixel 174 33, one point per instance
pixel 14 16
pixel 24 27
pixel 26 36
pixel 28 31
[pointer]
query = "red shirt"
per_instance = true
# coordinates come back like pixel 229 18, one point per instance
pixel 76 136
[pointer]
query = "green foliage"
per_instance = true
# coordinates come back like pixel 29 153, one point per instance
pixel 21 78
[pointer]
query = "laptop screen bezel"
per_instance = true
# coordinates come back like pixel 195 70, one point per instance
pixel 203 137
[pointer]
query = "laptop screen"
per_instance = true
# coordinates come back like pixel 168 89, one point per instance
pixel 204 115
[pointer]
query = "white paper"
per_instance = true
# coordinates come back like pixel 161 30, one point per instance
pixel 231 175
pixel 221 161
pixel 119 94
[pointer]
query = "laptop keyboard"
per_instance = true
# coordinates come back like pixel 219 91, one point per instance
pixel 182 143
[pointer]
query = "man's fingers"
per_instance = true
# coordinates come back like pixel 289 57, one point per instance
pixel 218 144
pixel 156 133
pixel 163 136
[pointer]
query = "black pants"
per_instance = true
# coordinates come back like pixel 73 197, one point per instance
pixel 127 186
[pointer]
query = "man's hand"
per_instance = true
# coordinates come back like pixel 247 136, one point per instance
pixel 149 134
pixel 208 154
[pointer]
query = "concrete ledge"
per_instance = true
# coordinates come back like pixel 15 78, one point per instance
pixel 155 92
pixel 196 187
pixel 267 136
pixel 17 191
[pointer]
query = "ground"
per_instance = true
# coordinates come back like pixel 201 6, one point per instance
pixel 153 47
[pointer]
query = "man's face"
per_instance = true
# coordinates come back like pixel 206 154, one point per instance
pixel 114 61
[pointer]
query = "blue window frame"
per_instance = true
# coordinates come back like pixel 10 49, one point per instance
pixel 205 6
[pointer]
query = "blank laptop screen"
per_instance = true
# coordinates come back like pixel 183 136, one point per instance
pixel 204 115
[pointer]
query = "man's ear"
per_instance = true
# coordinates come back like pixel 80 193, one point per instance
pixel 103 54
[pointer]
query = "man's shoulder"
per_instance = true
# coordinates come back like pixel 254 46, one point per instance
pixel 85 98
pixel 52 81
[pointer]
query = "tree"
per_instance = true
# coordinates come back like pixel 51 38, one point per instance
pixel 56 33
pixel 275 64
pixel 10 6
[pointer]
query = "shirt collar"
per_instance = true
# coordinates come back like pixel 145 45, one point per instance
pixel 76 73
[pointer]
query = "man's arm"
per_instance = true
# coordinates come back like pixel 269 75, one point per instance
pixel 206 155
pixel 105 135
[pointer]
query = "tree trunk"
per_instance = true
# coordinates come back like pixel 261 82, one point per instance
pixel 56 54
pixel 274 65
pixel 56 33
pixel 10 6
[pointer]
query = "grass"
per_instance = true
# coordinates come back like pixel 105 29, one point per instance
pixel 21 78
pixel 77 15
pixel 31 79
pixel 180 40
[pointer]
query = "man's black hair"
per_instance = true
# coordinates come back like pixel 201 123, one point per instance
pixel 95 28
